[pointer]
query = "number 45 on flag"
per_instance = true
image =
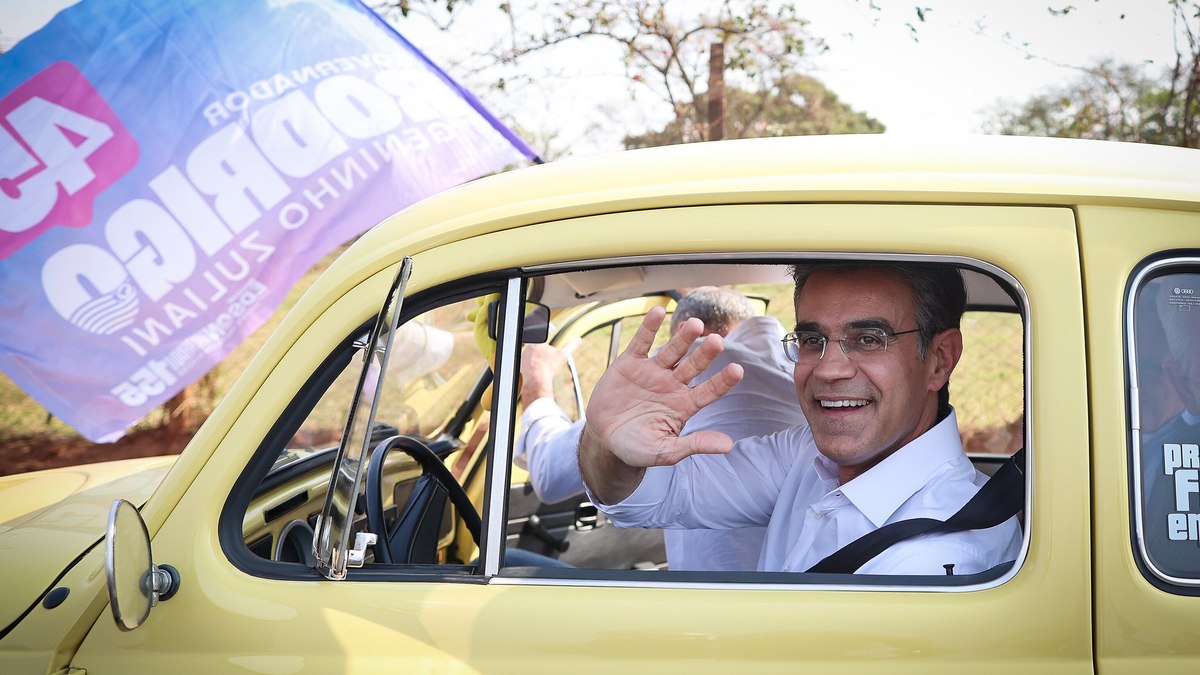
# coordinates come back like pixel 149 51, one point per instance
pixel 61 145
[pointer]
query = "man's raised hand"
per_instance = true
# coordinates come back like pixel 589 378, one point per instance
pixel 641 403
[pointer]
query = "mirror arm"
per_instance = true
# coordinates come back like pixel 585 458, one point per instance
pixel 164 582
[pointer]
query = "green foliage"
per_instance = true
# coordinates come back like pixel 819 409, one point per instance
pixel 1107 102
pixel 1121 101
pixel 795 106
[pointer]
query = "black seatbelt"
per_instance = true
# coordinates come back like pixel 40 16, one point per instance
pixel 1000 498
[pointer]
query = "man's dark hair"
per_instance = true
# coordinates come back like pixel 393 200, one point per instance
pixel 938 292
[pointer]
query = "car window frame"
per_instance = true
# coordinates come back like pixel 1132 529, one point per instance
pixel 513 284
pixel 775 580
pixel 1150 268
pixel 342 354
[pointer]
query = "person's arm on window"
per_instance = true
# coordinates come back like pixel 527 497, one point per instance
pixel 546 445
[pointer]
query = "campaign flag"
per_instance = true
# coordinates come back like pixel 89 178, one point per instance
pixel 169 169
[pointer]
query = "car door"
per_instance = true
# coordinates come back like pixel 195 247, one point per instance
pixel 1141 278
pixel 229 616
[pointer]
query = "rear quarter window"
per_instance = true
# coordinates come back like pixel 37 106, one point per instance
pixel 1164 324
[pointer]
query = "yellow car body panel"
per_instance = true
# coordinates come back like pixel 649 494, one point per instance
pixel 486 628
pixel 1141 629
pixel 52 516
pixel 1066 220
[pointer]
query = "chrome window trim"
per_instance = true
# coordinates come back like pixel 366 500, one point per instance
pixel 333 557
pixel 505 394
pixel 782 257
pixel 1135 421
pixel 751 586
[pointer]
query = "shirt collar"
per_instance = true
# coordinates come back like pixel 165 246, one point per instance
pixel 883 488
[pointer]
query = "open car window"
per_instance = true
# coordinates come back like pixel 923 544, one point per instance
pixel 989 396
pixel 332 546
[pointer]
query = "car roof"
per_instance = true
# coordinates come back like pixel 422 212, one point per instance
pixel 829 169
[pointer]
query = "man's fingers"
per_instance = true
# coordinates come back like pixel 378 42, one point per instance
pixel 699 443
pixel 680 342
pixel 700 358
pixel 643 339
pixel 717 386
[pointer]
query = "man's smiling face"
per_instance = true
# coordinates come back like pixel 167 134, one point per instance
pixel 862 409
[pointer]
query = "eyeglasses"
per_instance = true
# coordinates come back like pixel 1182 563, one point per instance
pixel 808 347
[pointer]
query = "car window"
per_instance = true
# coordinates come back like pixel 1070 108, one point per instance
pixel 591 359
pixel 431 392
pixel 1164 323
pixel 435 365
pixel 989 394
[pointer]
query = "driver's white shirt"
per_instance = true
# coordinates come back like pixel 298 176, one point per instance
pixel 782 481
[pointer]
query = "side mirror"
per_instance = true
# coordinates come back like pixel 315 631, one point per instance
pixel 537 322
pixel 135 583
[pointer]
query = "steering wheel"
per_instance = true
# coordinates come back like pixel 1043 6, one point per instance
pixel 413 538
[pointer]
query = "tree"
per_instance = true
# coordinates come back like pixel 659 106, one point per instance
pixel 1125 102
pixel 664 44
pixel 796 105
pixel 1180 103
pixel 438 12
pixel 1107 101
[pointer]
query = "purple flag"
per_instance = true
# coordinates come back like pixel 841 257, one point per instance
pixel 169 169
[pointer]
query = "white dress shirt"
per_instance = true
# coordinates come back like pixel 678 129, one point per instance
pixel 763 402
pixel 547 447
pixel 782 481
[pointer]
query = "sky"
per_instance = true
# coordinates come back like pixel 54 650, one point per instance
pixel 959 68
pixel 967 58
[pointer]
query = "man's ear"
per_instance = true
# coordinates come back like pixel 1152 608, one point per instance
pixel 942 356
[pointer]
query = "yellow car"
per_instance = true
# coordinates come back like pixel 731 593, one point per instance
pixel 352 505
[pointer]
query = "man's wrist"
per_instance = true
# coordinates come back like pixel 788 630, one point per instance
pixel 532 392
pixel 609 478
pixel 545 406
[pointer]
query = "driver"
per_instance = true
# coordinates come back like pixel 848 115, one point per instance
pixel 874 347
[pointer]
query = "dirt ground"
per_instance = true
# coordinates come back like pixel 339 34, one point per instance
pixel 33 453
